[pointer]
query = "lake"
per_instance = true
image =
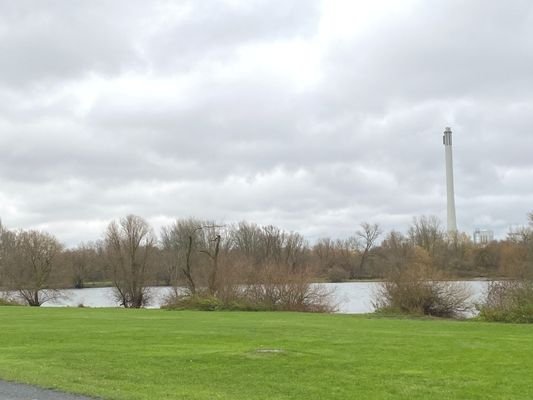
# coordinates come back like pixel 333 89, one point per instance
pixel 351 297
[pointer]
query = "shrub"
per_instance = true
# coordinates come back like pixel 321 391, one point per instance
pixel 420 290
pixel 205 302
pixel 278 288
pixel 274 288
pixel 508 301
pixel 337 274
pixel 7 301
pixel 196 302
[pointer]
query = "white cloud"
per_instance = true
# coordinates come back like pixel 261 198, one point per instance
pixel 312 116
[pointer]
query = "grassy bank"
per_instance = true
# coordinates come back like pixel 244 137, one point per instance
pixel 156 354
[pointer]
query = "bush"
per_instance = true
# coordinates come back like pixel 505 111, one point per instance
pixel 274 288
pixel 419 290
pixel 6 301
pixel 205 302
pixel 508 301
pixel 278 288
pixel 337 274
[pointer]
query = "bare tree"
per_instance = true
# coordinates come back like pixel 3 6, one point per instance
pixel 396 251
pixel 213 256
pixel 6 245
pixel 246 239
pixel 82 263
pixel 212 242
pixel 426 232
pixel 262 245
pixel 181 243
pixel 520 235
pixel 335 258
pixel 129 247
pixel 457 253
pixel 29 265
pixel 294 249
pixel 367 235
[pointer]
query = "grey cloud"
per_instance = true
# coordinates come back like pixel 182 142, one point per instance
pixel 214 30
pixel 49 41
pixel 440 50
pixel 361 143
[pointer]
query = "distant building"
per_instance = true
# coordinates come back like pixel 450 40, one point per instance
pixel 483 236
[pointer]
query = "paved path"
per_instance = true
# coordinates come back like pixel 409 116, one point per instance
pixel 15 391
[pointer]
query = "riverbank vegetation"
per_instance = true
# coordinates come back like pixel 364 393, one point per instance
pixel 508 301
pixel 157 354
pixel 271 289
pixel 4 301
pixel 250 266
pixel 419 289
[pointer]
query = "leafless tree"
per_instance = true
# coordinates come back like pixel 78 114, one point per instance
pixel 213 256
pixel 129 246
pixel 30 264
pixel 246 239
pixel 82 263
pixel 325 252
pixel 456 252
pixel 6 245
pixel 262 245
pixel 426 232
pixel 395 252
pixel 212 243
pixel 181 242
pixel 294 249
pixel 367 235
pixel 336 259
pixel 520 235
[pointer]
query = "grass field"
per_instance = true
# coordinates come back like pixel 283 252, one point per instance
pixel 156 354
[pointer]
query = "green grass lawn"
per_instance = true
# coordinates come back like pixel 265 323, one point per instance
pixel 157 354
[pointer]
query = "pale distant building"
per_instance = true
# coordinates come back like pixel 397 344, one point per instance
pixel 483 236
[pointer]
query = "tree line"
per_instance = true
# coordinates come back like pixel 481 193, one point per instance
pixel 202 258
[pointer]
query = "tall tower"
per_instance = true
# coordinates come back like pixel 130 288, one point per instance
pixel 447 140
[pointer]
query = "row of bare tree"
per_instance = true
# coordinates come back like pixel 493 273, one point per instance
pixel 204 257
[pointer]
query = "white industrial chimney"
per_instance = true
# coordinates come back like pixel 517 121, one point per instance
pixel 447 139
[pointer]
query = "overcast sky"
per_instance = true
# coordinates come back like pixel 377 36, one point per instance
pixel 310 115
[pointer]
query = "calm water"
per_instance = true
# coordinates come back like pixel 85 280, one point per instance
pixel 351 297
